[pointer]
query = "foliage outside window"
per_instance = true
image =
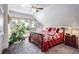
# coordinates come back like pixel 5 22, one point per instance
pixel 18 28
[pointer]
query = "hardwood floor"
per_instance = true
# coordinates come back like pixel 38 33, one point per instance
pixel 25 47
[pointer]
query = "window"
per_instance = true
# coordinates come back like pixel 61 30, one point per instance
pixel 1 20
pixel 13 23
pixel 33 24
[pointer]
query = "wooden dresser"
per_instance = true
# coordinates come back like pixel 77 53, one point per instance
pixel 71 40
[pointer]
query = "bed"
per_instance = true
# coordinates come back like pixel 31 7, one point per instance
pixel 48 38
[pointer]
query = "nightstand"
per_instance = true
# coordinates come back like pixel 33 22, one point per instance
pixel 71 40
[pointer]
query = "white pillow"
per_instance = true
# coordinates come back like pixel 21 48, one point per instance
pixel 60 31
pixel 56 36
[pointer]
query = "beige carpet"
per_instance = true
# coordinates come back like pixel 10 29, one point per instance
pixel 25 47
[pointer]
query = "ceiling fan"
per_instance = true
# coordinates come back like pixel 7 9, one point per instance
pixel 36 7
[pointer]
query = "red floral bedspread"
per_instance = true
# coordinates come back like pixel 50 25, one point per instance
pixel 50 38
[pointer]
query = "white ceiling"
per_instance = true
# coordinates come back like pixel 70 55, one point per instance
pixel 24 8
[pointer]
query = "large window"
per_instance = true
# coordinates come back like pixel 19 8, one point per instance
pixel 14 22
pixel 1 20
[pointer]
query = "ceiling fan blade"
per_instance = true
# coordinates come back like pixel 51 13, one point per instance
pixel 40 8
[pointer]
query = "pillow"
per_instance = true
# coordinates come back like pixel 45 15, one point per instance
pixel 49 29
pixel 60 31
pixel 56 36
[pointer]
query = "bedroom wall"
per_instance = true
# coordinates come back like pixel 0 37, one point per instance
pixel 59 15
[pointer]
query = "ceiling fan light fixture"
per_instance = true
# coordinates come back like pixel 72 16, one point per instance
pixel 33 9
pixel 34 6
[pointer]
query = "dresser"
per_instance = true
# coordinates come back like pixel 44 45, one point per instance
pixel 71 40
